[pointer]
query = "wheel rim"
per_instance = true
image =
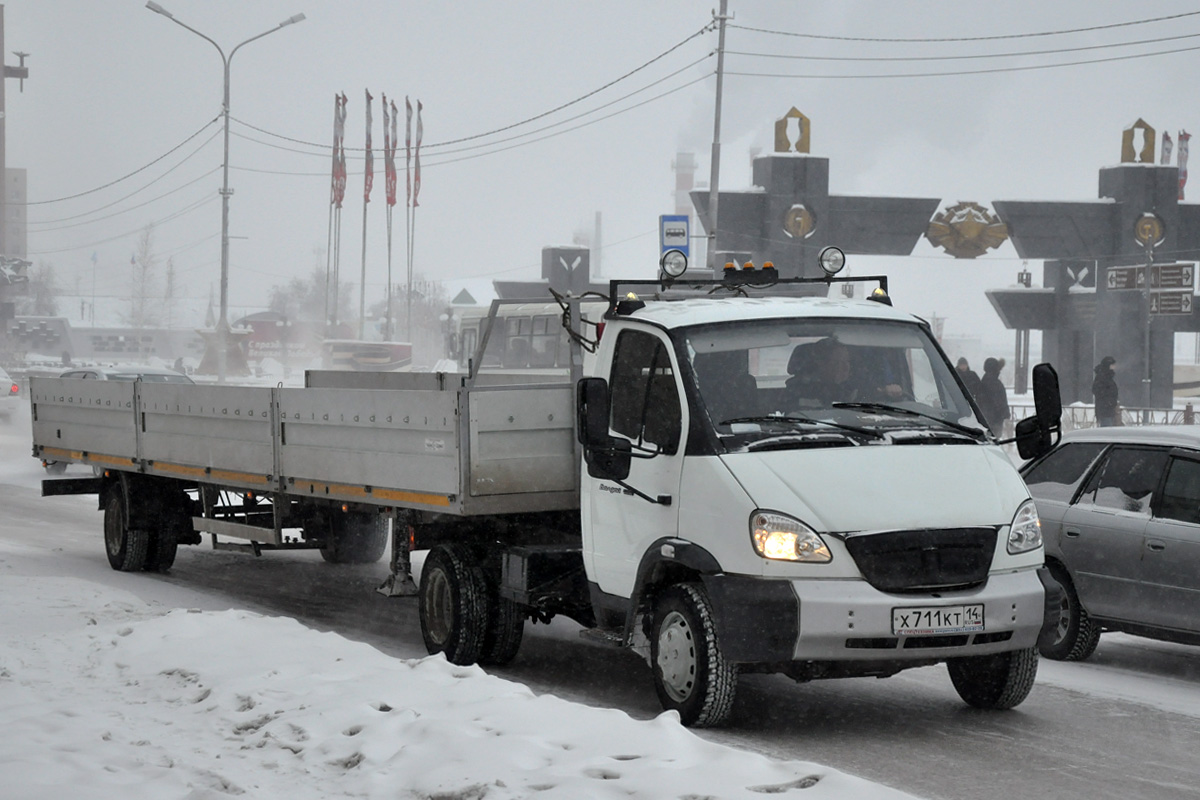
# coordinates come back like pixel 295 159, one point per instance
pixel 1064 619
pixel 440 604
pixel 677 656
pixel 114 528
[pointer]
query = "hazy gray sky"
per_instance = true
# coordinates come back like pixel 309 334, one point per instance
pixel 114 86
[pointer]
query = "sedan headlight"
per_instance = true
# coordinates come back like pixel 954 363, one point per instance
pixel 1025 533
pixel 784 538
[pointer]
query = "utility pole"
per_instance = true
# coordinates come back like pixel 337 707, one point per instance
pixel 21 72
pixel 714 179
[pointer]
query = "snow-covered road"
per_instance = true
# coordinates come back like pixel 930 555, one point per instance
pixel 1124 724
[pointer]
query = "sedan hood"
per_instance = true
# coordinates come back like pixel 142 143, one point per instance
pixel 885 487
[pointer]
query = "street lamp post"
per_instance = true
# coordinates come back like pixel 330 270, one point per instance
pixel 223 322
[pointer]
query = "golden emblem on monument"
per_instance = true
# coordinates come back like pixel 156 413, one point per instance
pixel 784 138
pixel 966 230
pixel 1146 154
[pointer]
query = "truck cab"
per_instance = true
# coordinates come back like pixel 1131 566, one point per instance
pixel 801 485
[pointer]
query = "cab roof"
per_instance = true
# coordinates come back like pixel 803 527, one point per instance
pixel 700 311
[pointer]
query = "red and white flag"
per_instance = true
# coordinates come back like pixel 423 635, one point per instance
pixel 1166 149
pixel 389 150
pixel 417 158
pixel 339 149
pixel 407 151
pixel 369 169
pixel 1183 155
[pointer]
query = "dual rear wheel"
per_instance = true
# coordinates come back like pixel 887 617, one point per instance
pixel 462 613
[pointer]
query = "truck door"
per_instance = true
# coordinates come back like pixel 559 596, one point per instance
pixel 648 410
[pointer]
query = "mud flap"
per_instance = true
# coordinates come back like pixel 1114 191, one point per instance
pixel 1054 596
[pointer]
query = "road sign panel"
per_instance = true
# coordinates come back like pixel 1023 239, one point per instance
pixel 1173 276
pixel 673 233
pixel 1119 278
pixel 1171 302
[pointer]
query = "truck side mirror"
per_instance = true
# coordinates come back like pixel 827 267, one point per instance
pixel 1033 434
pixel 592 411
pixel 606 456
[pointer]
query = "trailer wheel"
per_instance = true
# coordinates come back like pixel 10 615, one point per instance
pixel 126 547
pixel 691 675
pixel 355 538
pixel 506 629
pixel 172 513
pixel 55 467
pixel 995 682
pixel 453 605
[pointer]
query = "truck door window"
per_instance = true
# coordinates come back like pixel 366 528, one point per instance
pixel 645 400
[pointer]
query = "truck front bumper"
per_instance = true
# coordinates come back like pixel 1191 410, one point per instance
pixel 761 620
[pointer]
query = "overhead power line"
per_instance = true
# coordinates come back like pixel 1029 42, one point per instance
pixel 925 39
pixel 430 145
pixel 964 56
pixel 514 137
pixel 958 73
pixel 127 176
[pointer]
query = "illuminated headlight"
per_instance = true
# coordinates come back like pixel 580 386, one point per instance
pixel 782 538
pixel 1025 533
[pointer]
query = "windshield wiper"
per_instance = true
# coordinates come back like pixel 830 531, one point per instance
pixel 973 432
pixel 806 420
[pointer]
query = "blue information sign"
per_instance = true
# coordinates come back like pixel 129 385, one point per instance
pixel 673 233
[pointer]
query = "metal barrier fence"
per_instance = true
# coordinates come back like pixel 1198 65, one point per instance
pixel 1085 416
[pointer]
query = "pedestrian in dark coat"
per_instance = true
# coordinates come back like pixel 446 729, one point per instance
pixel 969 377
pixel 993 397
pixel 1104 391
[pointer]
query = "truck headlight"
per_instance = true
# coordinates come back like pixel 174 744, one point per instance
pixel 783 538
pixel 1025 533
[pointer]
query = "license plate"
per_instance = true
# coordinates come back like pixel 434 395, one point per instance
pixel 922 620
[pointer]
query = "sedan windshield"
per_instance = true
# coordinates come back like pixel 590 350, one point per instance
pixel 864 381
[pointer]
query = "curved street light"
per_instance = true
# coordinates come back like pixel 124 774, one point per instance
pixel 223 322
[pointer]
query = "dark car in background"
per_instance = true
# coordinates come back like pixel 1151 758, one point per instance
pixel 133 372
pixel 1120 512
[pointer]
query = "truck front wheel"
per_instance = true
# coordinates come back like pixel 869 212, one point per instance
pixel 453 605
pixel 691 675
pixel 126 547
pixel 997 682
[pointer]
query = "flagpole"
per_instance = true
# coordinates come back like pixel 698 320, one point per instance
pixel 368 179
pixel 408 218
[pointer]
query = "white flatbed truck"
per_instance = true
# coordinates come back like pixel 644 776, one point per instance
pixel 683 490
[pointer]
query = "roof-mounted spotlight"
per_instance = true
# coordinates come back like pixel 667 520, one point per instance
pixel 832 260
pixel 673 263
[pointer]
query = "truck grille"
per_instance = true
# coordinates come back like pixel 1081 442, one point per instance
pixel 924 560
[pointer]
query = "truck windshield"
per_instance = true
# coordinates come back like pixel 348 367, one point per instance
pixel 849 379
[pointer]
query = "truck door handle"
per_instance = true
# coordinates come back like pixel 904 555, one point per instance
pixel 1156 545
pixel 1071 533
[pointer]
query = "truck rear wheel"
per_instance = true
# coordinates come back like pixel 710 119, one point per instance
pixel 691 675
pixel 453 605
pixel 126 547
pixel 355 538
pixel 995 682
pixel 506 629
pixel 1076 636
